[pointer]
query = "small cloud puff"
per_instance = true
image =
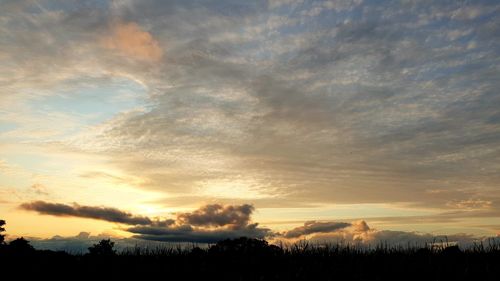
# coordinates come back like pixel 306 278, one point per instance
pixel 131 40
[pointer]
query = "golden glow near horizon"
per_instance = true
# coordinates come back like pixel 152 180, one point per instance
pixel 313 112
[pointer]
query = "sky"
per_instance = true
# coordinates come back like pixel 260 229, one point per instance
pixel 192 121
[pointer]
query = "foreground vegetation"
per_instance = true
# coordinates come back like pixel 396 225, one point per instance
pixel 252 259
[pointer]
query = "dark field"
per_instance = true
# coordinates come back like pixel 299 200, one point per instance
pixel 250 259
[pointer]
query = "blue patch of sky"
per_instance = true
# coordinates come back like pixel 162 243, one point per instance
pixel 95 103
pixel 6 127
pixel 73 6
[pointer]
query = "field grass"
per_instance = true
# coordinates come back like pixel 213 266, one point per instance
pixel 250 259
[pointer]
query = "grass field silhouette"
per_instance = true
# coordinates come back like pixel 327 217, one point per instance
pixel 254 259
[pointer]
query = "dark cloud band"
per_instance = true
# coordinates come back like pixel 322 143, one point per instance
pixel 188 234
pixel 312 227
pixel 207 224
pixel 218 215
pixel 75 210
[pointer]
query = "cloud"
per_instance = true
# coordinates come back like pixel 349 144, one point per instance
pixel 75 210
pixel 215 222
pixel 359 233
pixel 471 204
pixel 318 97
pixel 278 3
pixel 467 13
pixel 72 244
pixel 39 189
pixel 341 5
pixel 208 224
pixel 132 41
pixel 312 227
pixel 218 215
pixel 370 105
pixel 80 243
pixel 188 234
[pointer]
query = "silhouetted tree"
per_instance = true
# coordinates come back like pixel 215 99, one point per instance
pixel 244 246
pixel 20 246
pixel 103 248
pixel 197 252
pixel 452 251
pixel 2 229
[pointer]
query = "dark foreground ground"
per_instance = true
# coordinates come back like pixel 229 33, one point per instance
pixel 248 259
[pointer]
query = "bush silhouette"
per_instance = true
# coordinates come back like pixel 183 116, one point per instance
pixel 103 248
pixel 452 251
pixel 20 246
pixel 244 246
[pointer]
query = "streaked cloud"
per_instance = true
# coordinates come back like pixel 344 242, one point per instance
pixel 315 227
pixel 75 210
pixel 207 224
pixel 188 234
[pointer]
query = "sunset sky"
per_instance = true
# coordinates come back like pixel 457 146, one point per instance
pixel 195 120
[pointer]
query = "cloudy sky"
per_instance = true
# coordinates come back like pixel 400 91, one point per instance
pixel 194 120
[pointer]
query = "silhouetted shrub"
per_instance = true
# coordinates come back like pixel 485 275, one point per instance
pixel 244 246
pixel 20 246
pixel 103 248
pixel 197 252
pixel 452 251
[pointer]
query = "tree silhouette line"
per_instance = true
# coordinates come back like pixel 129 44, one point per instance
pixel 252 259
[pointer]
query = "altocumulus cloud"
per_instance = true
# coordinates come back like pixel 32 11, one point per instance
pixel 132 41
pixel 322 100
